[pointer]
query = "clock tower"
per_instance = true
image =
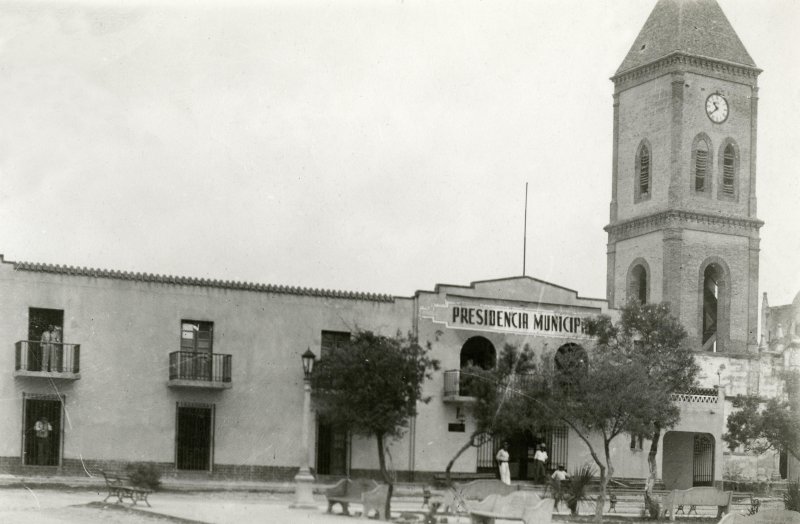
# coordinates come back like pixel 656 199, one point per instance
pixel 683 226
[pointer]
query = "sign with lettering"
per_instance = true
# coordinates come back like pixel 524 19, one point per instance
pixel 503 319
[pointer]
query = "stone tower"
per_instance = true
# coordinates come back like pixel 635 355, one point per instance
pixel 683 226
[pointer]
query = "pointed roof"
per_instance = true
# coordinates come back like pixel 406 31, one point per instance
pixel 693 27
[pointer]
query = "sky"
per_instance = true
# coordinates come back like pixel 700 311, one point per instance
pixel 379 146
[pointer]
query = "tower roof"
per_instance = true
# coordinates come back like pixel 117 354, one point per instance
pixel 693 27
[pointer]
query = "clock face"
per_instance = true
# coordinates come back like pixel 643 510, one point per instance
pixel 717 108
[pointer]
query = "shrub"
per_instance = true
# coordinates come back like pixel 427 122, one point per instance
pixel 791 499
pixel 574 489
pixel 144 475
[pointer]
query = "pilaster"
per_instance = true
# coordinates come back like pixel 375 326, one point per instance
pixel 676 140
pixel 673 249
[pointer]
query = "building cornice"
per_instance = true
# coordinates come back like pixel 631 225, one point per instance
pixel 679 60
pixel 677 219
pixel 199 282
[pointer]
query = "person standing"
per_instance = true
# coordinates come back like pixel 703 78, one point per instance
pixel 42 429
pixel 502 464
pixel 56 350
pixel 539 461
pixel 44 346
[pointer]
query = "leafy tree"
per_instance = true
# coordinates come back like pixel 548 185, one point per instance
pixel 497 409
pixel 624 385
pixel 372 385
pixel 655 341
pixel 775 426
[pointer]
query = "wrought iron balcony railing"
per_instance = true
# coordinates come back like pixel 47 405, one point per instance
pixel 51 358
pixel 199 368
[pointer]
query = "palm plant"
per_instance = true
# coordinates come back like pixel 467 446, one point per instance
pixel 575 489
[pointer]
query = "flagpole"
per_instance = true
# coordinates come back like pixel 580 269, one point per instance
pixel 525 231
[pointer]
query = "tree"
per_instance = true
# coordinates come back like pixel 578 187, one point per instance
pixel 624 385
pixel 774 426
pixel 372 385
pixel 496 408
pixel 655 340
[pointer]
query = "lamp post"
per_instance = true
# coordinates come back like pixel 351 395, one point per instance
pixel 304 480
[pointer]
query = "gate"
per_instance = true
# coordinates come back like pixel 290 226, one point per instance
pixel 703 460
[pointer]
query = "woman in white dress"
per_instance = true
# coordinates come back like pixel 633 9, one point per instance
pixel 502 463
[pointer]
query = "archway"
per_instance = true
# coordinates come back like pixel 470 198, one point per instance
pixel 478 351
pixel 688 459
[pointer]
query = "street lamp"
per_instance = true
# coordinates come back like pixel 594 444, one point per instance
pixel 304 480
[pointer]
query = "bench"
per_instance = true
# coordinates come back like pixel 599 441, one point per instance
pixel 368 493
pixel 697 496
pixel 520 505
pixel 121 487
pixel 769 516
pixel 455 499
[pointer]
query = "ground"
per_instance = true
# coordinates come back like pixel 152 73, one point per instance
pixel 64 506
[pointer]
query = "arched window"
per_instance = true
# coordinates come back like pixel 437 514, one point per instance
pixel 729 170
pixel 638 282
pixel 571 362
pixel 701 165
pixel 715 305
pixel 643 173
pixel 478 351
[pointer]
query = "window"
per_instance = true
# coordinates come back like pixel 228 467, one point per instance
pixel 701 164
pixel 729 171
pixel 637 282
pixel 643 178
pixel 197 336
pixel 714 305
pixel 333 339
pixel 637 442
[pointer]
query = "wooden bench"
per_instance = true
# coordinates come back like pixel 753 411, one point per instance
pixel 520 505
pixel 121 487
pixel 368 493
pixel 698 496
pixel 768 516
pixel 456 499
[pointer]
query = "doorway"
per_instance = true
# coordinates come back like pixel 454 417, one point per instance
pixel 39 321
pixel 332 447
pixel 41 441
pixel 194 437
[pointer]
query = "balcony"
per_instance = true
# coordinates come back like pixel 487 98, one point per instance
pixel 49 360
pixel 699 396
pixel 457 385
pixel 192 369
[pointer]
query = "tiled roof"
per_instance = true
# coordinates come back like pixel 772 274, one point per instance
pixel 693 27
pixel 201 282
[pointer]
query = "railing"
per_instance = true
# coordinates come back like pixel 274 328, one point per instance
pixel 192 365
pixel 457 384
pixel 47 357
pixel 699 395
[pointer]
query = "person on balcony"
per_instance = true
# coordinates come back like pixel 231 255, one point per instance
pixel 56 350
pixel 45 347
pixel 502 464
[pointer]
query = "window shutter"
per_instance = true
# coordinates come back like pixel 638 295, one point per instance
pixel 644 171
pixel 728 165
pixel 700 168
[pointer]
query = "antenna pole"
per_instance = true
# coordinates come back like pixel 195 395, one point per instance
pixel 525 231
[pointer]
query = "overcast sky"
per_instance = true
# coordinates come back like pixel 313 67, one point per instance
pixel 378 145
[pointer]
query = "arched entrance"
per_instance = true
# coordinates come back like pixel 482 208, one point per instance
pixel 478 351
pixel 688 459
